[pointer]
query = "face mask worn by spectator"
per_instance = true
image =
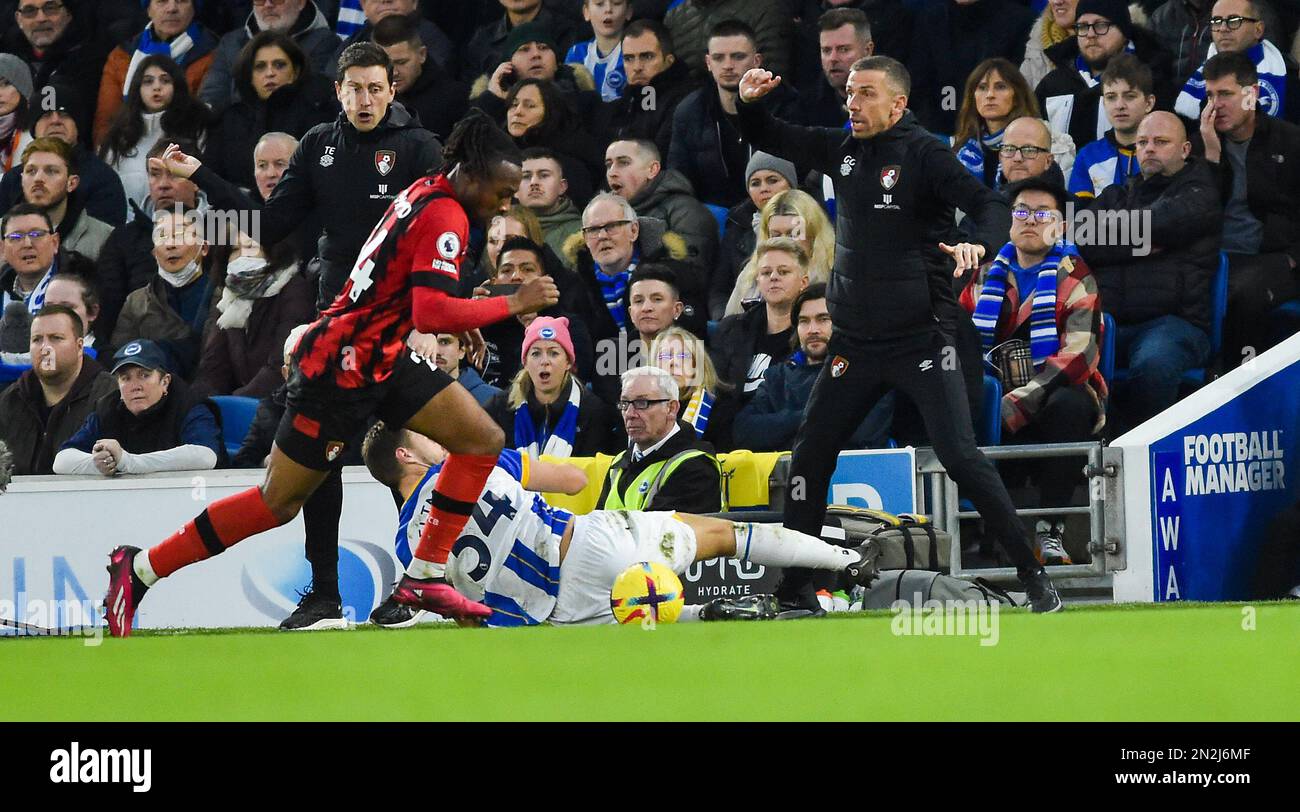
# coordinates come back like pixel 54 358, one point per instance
pixel 184 276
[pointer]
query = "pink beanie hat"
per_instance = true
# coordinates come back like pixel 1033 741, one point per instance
pixel 548 328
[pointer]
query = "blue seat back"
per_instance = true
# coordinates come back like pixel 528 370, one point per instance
pixel 989 430
pixel 720 214
pixel 236 417
pixel 1106 364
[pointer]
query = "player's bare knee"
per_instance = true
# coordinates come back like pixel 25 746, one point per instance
pixel 284 507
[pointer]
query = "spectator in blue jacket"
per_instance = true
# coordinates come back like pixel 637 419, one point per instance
pixel 771 419
pixel 451 359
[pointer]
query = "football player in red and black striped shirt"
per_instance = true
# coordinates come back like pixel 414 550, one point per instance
pixel 353 364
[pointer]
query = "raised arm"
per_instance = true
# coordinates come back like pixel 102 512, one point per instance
pixel 815 147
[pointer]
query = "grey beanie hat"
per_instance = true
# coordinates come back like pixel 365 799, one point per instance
pixel 782 167
pixel 18 74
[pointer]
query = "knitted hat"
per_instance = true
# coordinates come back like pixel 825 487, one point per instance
pixel 548 328
pixel 782 167
pixel 521 35
pixel 18 74
pixel 1114 10
pixel 58 96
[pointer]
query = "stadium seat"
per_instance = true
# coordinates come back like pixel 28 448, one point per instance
pixel 719 214
pixel 989 430
pixel 236 416
pixel 1106 364
pixel 1285 320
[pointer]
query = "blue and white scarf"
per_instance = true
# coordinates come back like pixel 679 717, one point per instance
pixel 351 18
pixel 1269 64
pixel 1086 72
pixel 147 45
pixel 613 287
pixel 971 154
pixel 697 411
pixel 533 439
pixel 1044 341
pixel 35 300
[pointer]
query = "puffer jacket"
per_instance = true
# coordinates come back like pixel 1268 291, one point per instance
pixel 311 31
pixel 1186 225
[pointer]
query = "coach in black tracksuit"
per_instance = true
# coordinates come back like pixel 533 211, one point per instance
pixel 891 296
pixel 347 171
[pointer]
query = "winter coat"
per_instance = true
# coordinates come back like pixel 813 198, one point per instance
pixel 647 112
pixel 147 313
pixel 1071 106
pixel 1272 183
pixel 656 244
pixel 438 100
pixel 771 419
pixel 1184 33
pixel 700 129
pixel 292 109
pixel 895 198
pixel 476 386
pixel 311 31
pixel 335 173
pixel 261 432
pixel 34 444
pixel 1044 34
pixel 246 361
pixel 126 263
pixel 1186 224
pixel 949 40
pixel 100 190
pixel 690 21
pixel 1078 328
pixel 670 198
pixel 182 417
pixel 81 233
pixel 739 238
pixel 483 52
pixel 195 64
pixel 77 59
pixel 734 345
pixel 559 224
pixel 596 420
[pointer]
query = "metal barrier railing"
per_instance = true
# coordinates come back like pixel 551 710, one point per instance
pixel 1104 474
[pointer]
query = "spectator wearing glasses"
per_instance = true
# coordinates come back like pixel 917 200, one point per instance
pixel 172 31
pixel 1257 160
pixel 300 19
pixel 665 466
pixel 1040 293
pixel 1071 94
pixel 57 45
pixel 705 405
pixel 1237 27
pixel 31 257
pixel 45 406
pixel 1026 152
pixel 1054 25
pixel 612 244
pixel 1128 94
pixel 1184 30
pixel 547 409
pixel 995 95
pixel 62 115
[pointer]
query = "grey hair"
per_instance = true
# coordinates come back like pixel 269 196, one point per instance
pixel 629 213
pixel 667 384
pixel 274 136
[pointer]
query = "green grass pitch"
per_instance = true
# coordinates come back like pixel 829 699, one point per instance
pixel 1185 662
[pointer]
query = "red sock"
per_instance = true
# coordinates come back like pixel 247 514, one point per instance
pixel 460 483
pixel 225 522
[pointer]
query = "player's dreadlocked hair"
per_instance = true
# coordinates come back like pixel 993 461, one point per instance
pixel 478 144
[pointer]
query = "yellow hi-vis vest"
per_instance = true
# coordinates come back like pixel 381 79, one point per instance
pixel 645 487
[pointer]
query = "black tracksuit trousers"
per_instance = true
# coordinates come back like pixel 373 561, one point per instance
pixel 926 368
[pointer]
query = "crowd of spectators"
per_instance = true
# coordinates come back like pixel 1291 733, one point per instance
pixel 184 182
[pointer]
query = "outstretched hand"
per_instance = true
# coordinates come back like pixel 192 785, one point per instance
pixel 967 255
pixel 757 83
pixel 176 162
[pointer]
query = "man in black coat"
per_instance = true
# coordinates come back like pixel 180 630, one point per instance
pixel 891 297
pixel 1156 283
pixel 348 171
pixel 58 47
pixel 657 82
pixel 842 36
pixel 423 87
pixel 483 52
pixel 1257 160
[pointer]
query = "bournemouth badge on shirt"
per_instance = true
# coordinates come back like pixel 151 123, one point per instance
pixel 385 159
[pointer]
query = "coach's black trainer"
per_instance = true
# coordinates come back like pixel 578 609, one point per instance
pixel 1042 594
pixel 392 615
pixel 125 590
pixel 863 571
pixel 316 611
pixel 744 607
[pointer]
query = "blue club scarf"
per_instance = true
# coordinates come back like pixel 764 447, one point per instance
pixel 147 45
pixel 533 439
pixel 351 18
pixel 614 287
pixel 1086 72
pixel 1272 70
pixel 1043 338
pixel 971 154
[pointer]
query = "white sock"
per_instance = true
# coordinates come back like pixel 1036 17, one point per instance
pixel 144 569
pixel 690 613
pixel 424 570
pixel 775 546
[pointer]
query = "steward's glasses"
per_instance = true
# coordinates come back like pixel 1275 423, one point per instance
pixel 640 404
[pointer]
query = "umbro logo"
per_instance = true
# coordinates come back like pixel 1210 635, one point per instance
pixel 925 365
